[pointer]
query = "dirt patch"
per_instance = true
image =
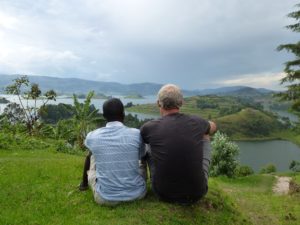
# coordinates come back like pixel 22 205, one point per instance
pixel 282 185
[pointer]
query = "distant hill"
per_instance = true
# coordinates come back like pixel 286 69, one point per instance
pixel 248 123
pixel 248 92
pixel 237 91
pixel 74 85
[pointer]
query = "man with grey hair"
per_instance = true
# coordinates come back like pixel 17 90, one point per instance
pixel 179 153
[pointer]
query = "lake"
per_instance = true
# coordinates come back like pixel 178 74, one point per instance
pixel 97 103
pixel 255 153
pixel 259 153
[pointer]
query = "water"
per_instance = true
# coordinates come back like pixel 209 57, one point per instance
pixel 283 113
pixel 259 153
pixel 97 103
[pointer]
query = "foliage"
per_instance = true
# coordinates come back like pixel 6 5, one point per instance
pixel 14 113
pixel 224 154
pixel 128 105
pixel 7 127
pixel 242 171
pixel 133 121
pixel 292 68
pixel 269 168
pixel 26 91
pixel 63 129
pixel 85 118
pixel 295 166
pixel 12 141
pixel 249 123
pixel 203 104
pixel 54 113
pixel 294 187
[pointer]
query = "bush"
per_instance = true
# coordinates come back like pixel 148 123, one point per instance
pixel 224 153
pixel 65 147
pixel 269 168
pixel 242 171
pixel 295 166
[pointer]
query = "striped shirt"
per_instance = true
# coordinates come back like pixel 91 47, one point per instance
pixel 117 150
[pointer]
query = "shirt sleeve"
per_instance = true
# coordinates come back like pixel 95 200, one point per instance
pixel 142 150
pixel 204 125
pixel 86 141
pixel 144 133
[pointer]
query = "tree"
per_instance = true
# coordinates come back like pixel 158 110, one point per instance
pixel 14 113
pixel 292 68
pixel 224 154
pixel 26 91
pixel 295 166
pixel 85 118
pixel 51 113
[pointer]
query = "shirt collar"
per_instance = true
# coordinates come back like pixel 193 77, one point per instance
pixel 114 124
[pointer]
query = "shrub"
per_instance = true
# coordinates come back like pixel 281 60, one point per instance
pixel 294 187
pixel 269 168
pixel 242 171
pixel 224 153
pixel 295 166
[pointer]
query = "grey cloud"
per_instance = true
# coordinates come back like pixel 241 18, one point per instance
pixel 192 43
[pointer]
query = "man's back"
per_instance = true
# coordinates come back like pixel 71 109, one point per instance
pixel 176 151
pixel 116 149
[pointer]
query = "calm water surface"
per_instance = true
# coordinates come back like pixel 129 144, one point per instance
pixel 259 153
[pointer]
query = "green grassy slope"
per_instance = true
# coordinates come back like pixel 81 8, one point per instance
pixel 40 187
pixel 248 123
pixel 255 197
pixel 212 107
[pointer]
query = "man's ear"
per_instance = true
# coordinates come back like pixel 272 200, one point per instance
pixel 159 105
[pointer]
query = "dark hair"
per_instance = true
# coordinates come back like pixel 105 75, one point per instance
pixel 113 110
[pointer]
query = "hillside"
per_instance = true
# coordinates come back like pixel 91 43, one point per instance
pixel 248 92
pixel 237 91
pixel 208 106
pixel 248 123
pixel 45 191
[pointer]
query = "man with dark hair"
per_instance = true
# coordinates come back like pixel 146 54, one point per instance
pixel 179 153
pixel 113 165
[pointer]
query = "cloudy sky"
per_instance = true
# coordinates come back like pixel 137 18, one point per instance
pixel 193 43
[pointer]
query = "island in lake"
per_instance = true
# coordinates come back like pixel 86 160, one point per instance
pixel 3 100
pixel 134 96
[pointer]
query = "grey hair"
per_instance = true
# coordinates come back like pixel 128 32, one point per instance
pixel 170 97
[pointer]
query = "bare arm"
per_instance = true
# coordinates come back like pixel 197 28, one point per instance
pixel 213 128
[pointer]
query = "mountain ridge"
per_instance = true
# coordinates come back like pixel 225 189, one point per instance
pixel 77 85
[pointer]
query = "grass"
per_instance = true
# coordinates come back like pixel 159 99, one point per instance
pixel 289 135
pixel 40 187
pixel 255 198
